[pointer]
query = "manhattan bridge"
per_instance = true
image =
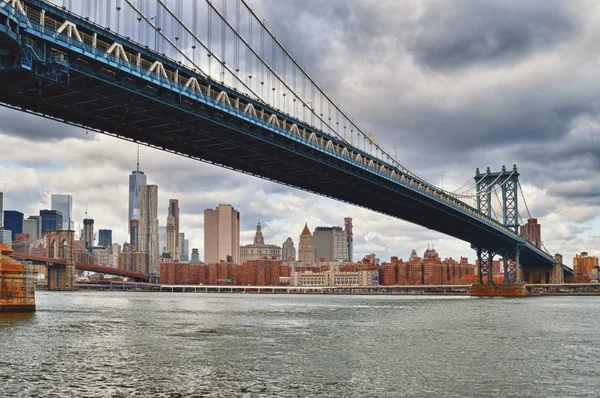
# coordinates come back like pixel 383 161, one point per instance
pixel 211 81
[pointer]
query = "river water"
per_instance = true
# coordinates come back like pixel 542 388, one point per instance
pixel 233 345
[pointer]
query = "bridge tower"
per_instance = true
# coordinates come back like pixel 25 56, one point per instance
pixel 59 246
pixel 487 185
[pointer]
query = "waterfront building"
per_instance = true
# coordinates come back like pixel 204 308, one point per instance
pixel 105 238
pixel 221 234
pixel 51 220
pixel 148 229
pixel 259 249
pixel 583 263
pixel 288 251
pixel 532 231
pixel 335 276
pixel 306 247
pixel 13 221
pixel 64 204
pixel 88 232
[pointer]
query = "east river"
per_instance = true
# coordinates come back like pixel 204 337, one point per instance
pixel 234 345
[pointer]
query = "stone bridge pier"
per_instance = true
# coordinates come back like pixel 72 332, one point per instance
pixel 554 274
pixel 61 274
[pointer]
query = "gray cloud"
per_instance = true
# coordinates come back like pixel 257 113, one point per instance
pixel 457 34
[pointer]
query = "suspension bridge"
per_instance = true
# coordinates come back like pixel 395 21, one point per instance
pixel 212 82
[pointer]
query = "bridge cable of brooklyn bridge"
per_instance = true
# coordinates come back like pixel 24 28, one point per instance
pixel 211 81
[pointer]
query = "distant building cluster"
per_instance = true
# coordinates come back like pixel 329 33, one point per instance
pixel 585 267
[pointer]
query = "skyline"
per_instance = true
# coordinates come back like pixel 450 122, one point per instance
pixel 486 105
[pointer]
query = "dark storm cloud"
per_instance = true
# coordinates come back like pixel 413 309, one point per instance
pixel 36 128
pixel 461 33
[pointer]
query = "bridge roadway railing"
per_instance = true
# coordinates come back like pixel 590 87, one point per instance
pixel 204 92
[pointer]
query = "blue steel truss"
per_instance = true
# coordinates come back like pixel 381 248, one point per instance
pixel 60 77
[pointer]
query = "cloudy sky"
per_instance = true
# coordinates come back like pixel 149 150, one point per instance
pixel 454 85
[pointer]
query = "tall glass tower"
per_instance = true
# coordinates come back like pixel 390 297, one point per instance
pixel 64 204
pixel 136 179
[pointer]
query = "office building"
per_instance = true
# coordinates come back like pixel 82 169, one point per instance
pixel 306 247
pixel 349 238
pixel 532 231
pixel 136 180
pixel 325 244
pixel 288 251
pixel 6 237
pixel 33 227
pixel 173 248
pixel 195 257
pixel 134 234
pixel 88 232
pixel 184 250
pixel 51 220
pixel 259 249
pixel 105 238
pixel 339 246
pixel 174 211
pixel 148 233
pixel 64 204
pixel 162 240
pixel 1 210
pixel 13 221
pixel 221 234
pixel 583 264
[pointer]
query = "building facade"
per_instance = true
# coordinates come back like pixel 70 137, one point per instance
pixel 184 254
pixel 51 220
pixel 532 231
pixel 221 234
pixel 148 230
pixel 64 204
pixel 136 180
pixel 33 226
pixel 88 232
pixel 335 277
pixel 288 250
pixel 259 249
pixel 306 247
pixel 349 238
pixel 6 237
pixel 173 248
pixel 1 210
pixel 195 257
pixel 105 238
pixel 583 264
pixel 13 221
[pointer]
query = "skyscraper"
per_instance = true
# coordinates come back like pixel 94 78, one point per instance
pixel 185 252
pixel 339 246
pixel 195 257
pixel 173 247
pixel 88 232
pixel 136 180
pixel 328 244
pixel 105 238
pixel 306 246
pixel 33 227
pixel 51 220
pixel 349 238
pixel 64 204
pixel 148 233
pixel 1 210
pixel 221 234
pixel 13 221
pixel 162 239
pixel 289 251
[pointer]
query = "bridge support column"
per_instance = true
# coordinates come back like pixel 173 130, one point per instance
pixel 490 267
pixel 557 271
pixel 61 277
pixel 517 265
pixel 479 267
pixel 505 261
